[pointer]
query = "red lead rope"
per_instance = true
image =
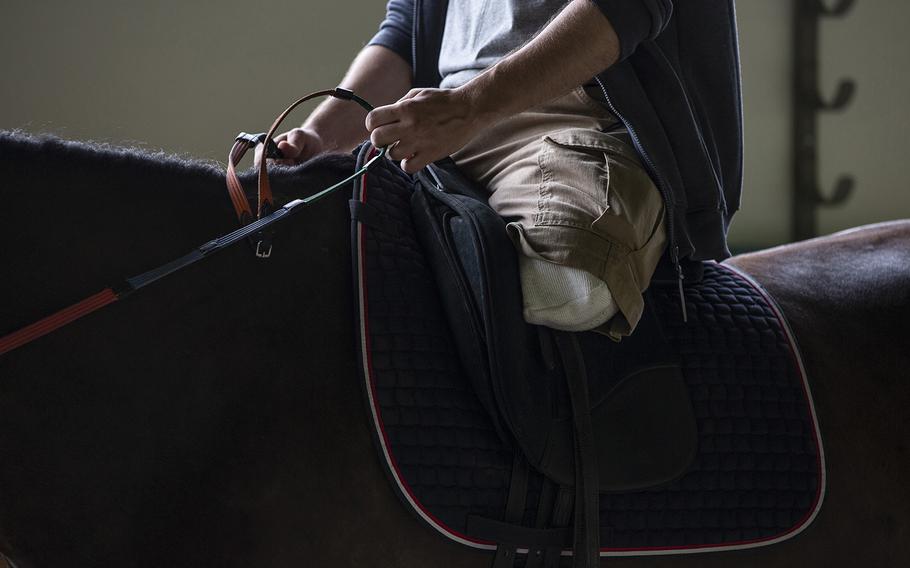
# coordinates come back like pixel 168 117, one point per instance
pixel 50 323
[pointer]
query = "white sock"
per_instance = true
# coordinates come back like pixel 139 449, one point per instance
pixel 562 297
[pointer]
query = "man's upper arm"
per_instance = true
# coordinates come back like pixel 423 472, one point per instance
pixel 396 29
pixel 635 20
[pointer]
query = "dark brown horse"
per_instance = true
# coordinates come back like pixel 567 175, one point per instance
pixel 216 418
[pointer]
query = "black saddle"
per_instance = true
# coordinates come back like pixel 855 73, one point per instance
pixel 632 402
pixel 574 420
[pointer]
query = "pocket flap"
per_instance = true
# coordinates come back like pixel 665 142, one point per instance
pixel 589 139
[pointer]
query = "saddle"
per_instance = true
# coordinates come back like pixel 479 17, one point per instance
pixel 565 426
pixel 640 411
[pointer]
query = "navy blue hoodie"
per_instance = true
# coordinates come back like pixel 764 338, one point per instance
pixel 676 87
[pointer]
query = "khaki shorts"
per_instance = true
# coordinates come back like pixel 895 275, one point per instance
pixel 573 191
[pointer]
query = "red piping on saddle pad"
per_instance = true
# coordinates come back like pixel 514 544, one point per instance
pixel 383 436
pixel 57 320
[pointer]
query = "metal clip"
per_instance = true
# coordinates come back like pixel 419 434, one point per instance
pixel 682 298
pixel 263 253
pixel 432 169
pixel 679 281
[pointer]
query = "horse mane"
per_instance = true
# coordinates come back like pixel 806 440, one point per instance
pixel 18 145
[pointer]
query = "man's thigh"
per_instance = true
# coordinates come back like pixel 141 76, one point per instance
pixel 573 193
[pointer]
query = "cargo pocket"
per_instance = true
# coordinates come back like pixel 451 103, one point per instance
pixel 635 208
pixel 594 181
pixel 603 212
pixel 574 177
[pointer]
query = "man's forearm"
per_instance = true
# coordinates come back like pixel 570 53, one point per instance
pixel 576 45
pixel 380 77
pixel 429 124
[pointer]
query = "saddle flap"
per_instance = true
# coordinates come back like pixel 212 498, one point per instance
pixel 641 411
pixel 476 270
pixel 645 431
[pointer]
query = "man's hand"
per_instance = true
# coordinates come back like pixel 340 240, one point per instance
pixel 296 145
pixel 425 125
pixel 377 74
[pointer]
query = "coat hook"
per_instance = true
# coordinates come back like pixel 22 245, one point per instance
pixel 842 97
pixel 840 8
pixel 843 189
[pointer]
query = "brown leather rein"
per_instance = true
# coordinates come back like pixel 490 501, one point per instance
pixel 259 231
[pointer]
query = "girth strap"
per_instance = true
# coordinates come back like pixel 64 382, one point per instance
pixel 545 545
pixel 586 544
pixel 515 508
pixel 549 507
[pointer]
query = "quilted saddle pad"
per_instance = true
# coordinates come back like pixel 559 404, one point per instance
pixel 758 476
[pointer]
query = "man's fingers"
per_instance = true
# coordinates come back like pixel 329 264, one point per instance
pixel 295 146
pixel 401 151
pixel 289 150
pixel 291 153
pixel 411 93
pixel 382 115
pixel 296 138
pixel 388 134
pixel 412 164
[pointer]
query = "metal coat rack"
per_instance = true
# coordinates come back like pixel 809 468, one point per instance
pixel 808 102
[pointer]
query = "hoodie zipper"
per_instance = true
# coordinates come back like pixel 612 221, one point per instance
pixel 414 30
pixel 721 200
pixel 664 191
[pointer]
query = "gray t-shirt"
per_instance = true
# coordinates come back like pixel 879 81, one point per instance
pixel 479 32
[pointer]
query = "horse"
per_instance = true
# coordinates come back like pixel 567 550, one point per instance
pixel 216 418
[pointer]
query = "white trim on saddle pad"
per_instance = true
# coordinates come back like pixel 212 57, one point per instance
pixel 405 491
pixel 366 364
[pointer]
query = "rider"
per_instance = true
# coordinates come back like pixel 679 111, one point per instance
pixel 604 130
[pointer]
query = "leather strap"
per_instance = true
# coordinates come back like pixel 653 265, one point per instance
pixel 515 508
pixel 542 556
pixel 508 532
pixel 242 143
pixel 586 546
pixel 245 142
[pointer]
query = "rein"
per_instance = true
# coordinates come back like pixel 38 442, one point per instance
pixel 258 231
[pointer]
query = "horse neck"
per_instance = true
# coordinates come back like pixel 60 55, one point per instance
pixel 80 217
pixel 212 384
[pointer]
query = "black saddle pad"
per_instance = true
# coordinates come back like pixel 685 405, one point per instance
pixel 758 474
